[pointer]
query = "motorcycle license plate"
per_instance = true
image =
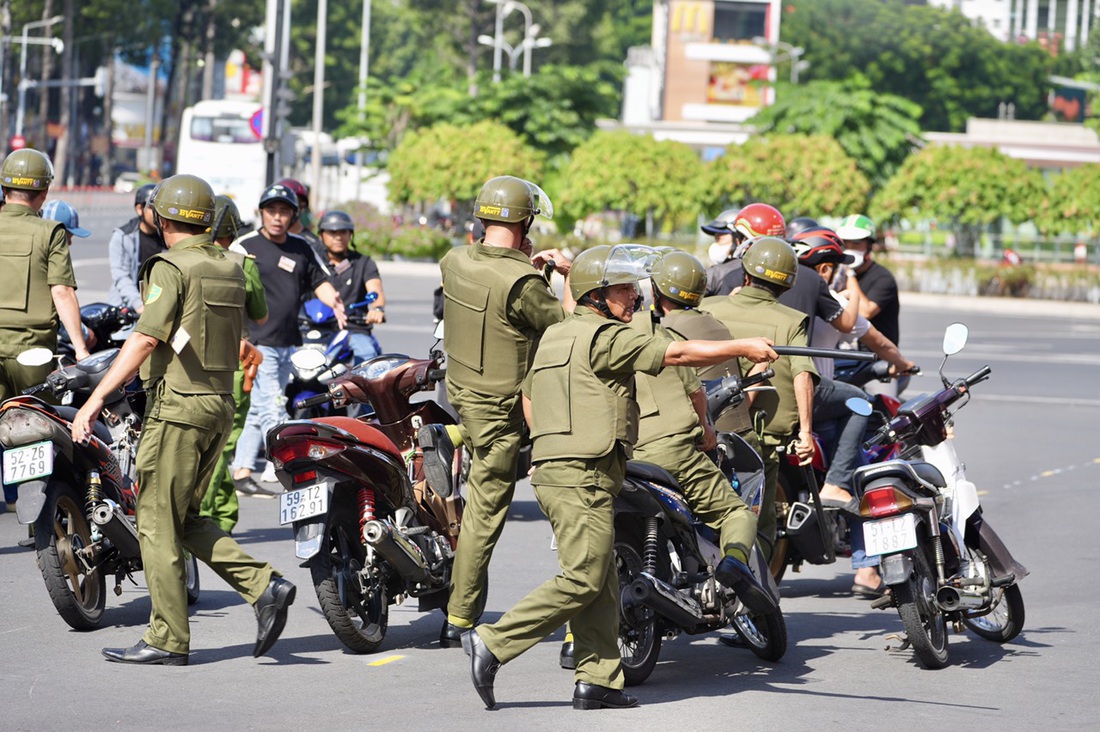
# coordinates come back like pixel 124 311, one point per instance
pixel 303 503
pixel 890 535
pixel 28 462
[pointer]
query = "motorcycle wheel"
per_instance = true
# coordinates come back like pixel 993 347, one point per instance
pixel 1005 619
pixel 359 622
pixel 764 634
pixel 639 639
pixel 925 624
pixel 780 559
pixel 192 566
pixel 59 533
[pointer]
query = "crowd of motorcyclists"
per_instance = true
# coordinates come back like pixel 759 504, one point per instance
pixel 611 373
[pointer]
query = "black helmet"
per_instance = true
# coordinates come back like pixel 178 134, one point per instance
pixel 279 192
pixel 336 221
pixel 800 224
pixel 141 195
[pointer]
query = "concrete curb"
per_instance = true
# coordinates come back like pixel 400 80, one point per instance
pixel 1002 305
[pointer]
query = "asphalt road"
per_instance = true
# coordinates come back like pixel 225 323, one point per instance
pixel 1029 440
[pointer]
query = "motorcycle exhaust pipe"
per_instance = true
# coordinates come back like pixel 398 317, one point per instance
pixel 666 601
pixel 113 524
pixel 404 556
pixel 950 599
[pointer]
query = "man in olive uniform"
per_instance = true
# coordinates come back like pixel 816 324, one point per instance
pixel 496 307
pixel 39 285
pixel 674 431
pixel 220 501
pixel 186 345
pixel 579 401
pixel 770 268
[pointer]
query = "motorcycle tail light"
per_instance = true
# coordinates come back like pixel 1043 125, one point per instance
pixel 885 501
pixel 305 450
pixel 304 477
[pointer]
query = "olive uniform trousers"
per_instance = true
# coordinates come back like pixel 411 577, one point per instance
pixel 495 428
pixel 220 502
pixel 174 460
pixel 707 490
pixel 585 593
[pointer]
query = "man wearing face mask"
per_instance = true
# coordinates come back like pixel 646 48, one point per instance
pixel 496 307
pixel 731 230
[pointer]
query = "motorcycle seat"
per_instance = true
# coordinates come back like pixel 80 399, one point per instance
pixel 365 433
pixel 652 473
pixel 98 428
pixel 924 472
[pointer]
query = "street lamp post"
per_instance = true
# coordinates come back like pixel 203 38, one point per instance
pixel 530 41
pixel 500 46
pixel 794 54
pixel 59 46
pixel 530 37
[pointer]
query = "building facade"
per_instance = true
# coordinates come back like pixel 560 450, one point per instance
pixel 1060 25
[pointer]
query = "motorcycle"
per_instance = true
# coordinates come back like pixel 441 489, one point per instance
pixel 943 563
pixel 101 320
pixel 80 498
pixel 325 355
pixel 808 531
pixel 364 520
pixel 665 557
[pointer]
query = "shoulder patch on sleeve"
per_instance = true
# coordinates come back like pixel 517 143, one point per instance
pixel 154 294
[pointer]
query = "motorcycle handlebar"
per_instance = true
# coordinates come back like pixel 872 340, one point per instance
pixel 757 378
pixel 824 353
pixel 312 401
pixel 36 390
pixel 978 376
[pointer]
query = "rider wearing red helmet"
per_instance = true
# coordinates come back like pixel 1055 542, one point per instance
pixel 301 224
pixel 730 231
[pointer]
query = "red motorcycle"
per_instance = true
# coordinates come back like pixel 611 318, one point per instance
pixel 364 520
pixel 80 498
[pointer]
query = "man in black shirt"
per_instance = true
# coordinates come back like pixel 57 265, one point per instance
pixel 880 303
pixel 354 276
pixel 289 270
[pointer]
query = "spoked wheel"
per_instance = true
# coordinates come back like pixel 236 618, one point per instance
pixel 779 559
pixel 925 624
pixel 639 639
pixel 192 566
pixel 60 534
pixel 764 633
pixel 1005 618
pixel 358 619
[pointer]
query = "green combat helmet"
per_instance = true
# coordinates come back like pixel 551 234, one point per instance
pixel 184 198
pixel 227 219
pixel 604 265
pixel 680 277
pixel 772 260
pixel 27 170
pixel 510 200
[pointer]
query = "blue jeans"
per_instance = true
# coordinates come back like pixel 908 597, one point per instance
pixel 829 407
pixel 268 405
pixel 364 347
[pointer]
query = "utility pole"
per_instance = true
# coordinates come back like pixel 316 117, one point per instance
pixel 318 99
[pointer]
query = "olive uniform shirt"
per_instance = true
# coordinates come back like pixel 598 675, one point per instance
pixel 618 349
pixel 34 256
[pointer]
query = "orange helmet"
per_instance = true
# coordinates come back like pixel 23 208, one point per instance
pixel 760 219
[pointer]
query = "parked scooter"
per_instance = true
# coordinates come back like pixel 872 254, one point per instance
pixel 104 322
pixel 365 522
pixel 943 563
pixel 325 355
pixel 79 497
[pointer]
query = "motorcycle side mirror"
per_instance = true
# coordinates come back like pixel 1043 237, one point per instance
pixel 859 406
pixel 954 338
pixel 307 359
pixel 438 333
pixel 35 357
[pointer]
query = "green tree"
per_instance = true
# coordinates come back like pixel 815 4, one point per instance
pixel 934 57
pixel 801 175
pixel 878 131
pixel 450 162
pixel 965 188
pixel 620 171
pixel 1072 204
